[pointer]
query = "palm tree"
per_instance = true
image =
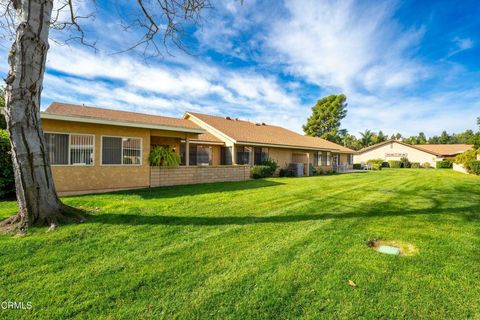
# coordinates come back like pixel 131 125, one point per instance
pixel 367 138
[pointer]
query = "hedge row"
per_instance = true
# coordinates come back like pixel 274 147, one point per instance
pixel 7 180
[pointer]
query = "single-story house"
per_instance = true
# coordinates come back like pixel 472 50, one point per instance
pixel 98 150
pixel 423 153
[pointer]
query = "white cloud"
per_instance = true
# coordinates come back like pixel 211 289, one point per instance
pixel 123 82
pixel 345 45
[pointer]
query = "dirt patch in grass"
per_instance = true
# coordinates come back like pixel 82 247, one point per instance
pixel 406 249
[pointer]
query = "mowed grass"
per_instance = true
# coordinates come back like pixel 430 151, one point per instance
pixel 278 248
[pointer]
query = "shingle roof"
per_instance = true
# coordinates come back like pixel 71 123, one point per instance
pixel 435 149
pixel 207 137
pixel 248 132
pixel 446 149
pixel 116 115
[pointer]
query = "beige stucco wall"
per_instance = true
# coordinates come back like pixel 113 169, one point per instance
pixel 413 155
pixel 98 177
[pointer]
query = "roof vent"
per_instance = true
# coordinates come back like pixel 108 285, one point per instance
pixel 258 124
pixel 228 118
pixel 236 119
pixel 264 124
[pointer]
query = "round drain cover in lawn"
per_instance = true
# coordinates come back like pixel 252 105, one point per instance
pixel 388 250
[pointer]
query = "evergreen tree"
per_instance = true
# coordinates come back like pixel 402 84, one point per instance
pixel 326 117
pixel 421 138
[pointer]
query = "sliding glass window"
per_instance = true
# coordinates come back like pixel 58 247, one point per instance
pixel 70 149
pixel 121 151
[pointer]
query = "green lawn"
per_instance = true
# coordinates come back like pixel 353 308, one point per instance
pixel 278 248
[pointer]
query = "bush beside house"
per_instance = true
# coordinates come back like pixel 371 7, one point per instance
pixel 376 163
pixel 415 165
pixel 7 179
pixel 474 166
pixel 444 164
pixel 163 157
pixel 266 169
pixel 405 162
pixel 395 163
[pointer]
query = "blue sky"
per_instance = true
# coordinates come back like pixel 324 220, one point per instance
pixel 405 66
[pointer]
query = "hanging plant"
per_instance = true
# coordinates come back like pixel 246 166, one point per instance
pixel 163 157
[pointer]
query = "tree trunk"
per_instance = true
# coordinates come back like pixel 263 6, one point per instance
pixel 37 199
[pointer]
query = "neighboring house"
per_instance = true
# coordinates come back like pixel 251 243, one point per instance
pixel 250 143
pixel 395 150
pixel 97 150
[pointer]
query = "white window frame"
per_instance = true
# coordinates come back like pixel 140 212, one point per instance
pixel 69 149
pixel 121 165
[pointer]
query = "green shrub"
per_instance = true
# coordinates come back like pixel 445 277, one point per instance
pixel 163 157
pixel 415 165
pixel 377 164
pixel 474 166
pixel 270 163
pixel 426 165
pixel 395 163
pixel 285 173
pixel 405 162
pixel 444 164
pixel 7 179
pixel 466 157
pixel 261 172
pixel 357 166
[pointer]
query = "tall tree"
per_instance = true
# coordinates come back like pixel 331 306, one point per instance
pixel 32 20
pixel 326 117
pixel 478 122
pixel 444 138
pixel 422 139
pixel 366 138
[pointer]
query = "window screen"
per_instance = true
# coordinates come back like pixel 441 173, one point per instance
pixel 132 150
pixel 81 149
pixel 117 150
pixel 243 155
pixel 73 149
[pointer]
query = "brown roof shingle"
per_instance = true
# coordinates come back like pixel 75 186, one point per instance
pixel 435 149
pixel 207 137
pixel 446 149
pixel 116 115
pixel 249 132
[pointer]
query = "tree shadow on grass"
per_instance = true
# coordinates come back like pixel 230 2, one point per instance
pixel 132 219
pixel 197 189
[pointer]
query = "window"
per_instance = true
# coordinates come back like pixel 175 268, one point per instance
pixel 243 155
pixel 70 149
pixel 335 159
pixel 226 156
pixel 198 155
pixel 260 155
pixel 324 158
pixel 121 151
pixel 350 159
pixel 204 155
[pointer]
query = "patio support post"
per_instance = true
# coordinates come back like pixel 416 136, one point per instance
pixel 187 152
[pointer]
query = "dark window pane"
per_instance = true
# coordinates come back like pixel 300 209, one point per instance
pixel 111 150
pixel 193 155
pixel 204 155
pixel 183 159
pixel 57 146
pixel 226 156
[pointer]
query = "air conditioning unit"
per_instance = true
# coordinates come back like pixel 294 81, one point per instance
pixel 297 169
